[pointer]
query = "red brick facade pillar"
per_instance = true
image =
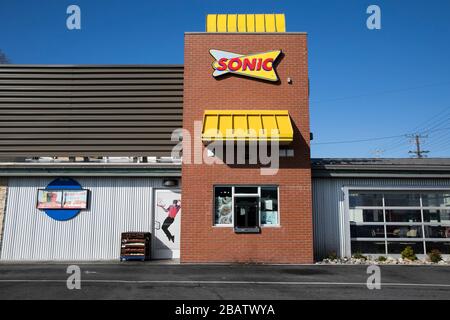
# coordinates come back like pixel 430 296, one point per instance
pixel 292 241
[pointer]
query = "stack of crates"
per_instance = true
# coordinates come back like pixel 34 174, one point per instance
pixel 135 246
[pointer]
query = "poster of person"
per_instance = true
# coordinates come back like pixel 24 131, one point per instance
pixel 49 199
pixel 167 218
pixel 75 199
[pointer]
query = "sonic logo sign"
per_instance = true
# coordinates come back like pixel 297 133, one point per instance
pixel 258 65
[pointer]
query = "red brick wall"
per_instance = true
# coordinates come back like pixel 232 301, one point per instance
pixel 292 242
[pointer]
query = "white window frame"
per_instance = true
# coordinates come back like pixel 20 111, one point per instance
pixel 345 219
pixel 234 195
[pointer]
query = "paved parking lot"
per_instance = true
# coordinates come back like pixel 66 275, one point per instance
pixel 153 281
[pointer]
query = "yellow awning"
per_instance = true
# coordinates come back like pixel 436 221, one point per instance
pixel 247 125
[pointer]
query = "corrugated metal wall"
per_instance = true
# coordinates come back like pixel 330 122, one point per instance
pixel 89 110
pixel 117 205
pixel 3 195
pixel 125 204
pixel 328 207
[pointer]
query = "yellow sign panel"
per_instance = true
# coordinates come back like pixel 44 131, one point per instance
pixel 258 65
pixel 246 22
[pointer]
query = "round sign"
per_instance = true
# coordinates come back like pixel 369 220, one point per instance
pixel 63 184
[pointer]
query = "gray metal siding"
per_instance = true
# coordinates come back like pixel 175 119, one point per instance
pixel 89 110
pixel 328 207
pixel 117 205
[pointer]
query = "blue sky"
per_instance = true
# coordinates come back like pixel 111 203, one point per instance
pixel 364 83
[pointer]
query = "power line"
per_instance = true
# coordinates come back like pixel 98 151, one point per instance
pixel 431 121
pixel 405 135
pixel 437 140
pixel 357 141
pixel 445 147
pixel 380 92
pixel 443 121
pixel 441 139
pixel 395 144
pixel 441 143
pixel 424 127
pixel 433 125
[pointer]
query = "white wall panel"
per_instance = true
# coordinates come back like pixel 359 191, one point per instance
pixel 116 205
pixel 328 207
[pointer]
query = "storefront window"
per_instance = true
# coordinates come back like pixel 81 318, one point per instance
pixel 403 215
pixel 366 215
pixel 223 206
pixel 403 218
pixel 433 215
pixel 400 199
pixel 437 231
pixel 398 246
pixel 358 231
pixel 443 247
pixel 269 205
pixel 404 231
pixel 438 199
pixel 365 199
pixel 375 247
pixel 246 206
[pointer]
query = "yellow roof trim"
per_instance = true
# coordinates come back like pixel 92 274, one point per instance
pixel 250 112
pixel 211 22
pixel 280 22
pixel 247 125
pixel 243 23
pixel 270 23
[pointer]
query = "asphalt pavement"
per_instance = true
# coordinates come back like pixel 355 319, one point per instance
pixel 155 281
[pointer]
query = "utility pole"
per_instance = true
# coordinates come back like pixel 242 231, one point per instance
pixel 418 153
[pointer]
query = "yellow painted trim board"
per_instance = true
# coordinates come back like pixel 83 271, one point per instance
pixel 246 112
pixel 244 23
